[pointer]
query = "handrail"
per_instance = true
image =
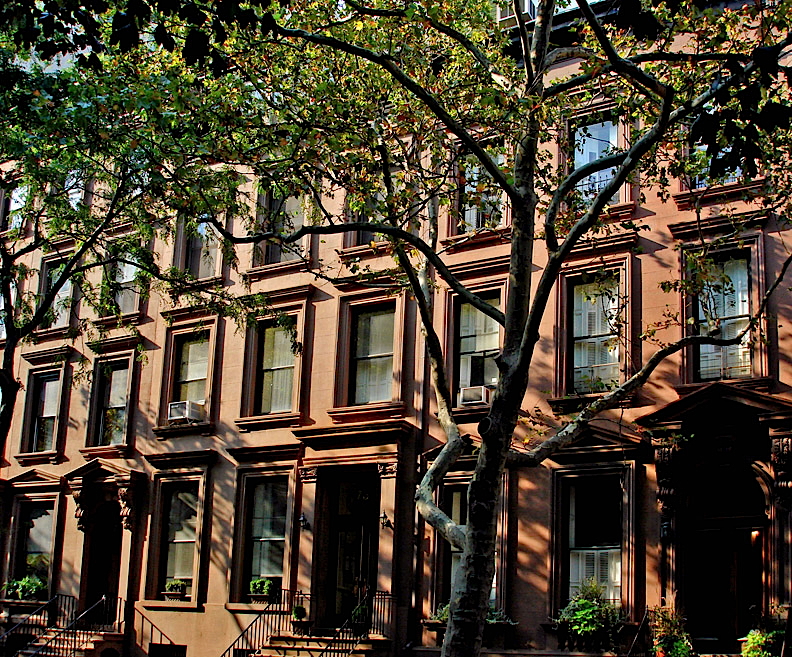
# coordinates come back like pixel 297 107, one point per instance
pixel 60 601
pixel 75 636
pixel 140 638
pixel 352 631
pixel 275 617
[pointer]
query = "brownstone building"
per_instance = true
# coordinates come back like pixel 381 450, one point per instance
pixel 201 454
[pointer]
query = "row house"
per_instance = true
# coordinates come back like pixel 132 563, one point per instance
pixel 202 453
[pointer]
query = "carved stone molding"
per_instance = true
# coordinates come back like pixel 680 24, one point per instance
pixel 308 474
pixel 80 501
pixel 781 459
pixel 387 470
pixel 667 482
pixel 127 503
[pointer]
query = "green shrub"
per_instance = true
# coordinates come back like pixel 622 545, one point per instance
pixel 762 643
pixel 30 587
pixel 175 586
pixel 494 615
pixel 668 633
pixel 260 586
pixel 588 612
pixel 298 612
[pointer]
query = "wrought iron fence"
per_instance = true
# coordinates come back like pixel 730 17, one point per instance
pixel 382 613
pixel 275 618
pixel 147 633
pixel 57 612
pixel 105 615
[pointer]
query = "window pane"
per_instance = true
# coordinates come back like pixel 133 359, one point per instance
pixel 180 532
pixel 372 369
pixel 202 252
pixel 591 143
pixel 595 308
pixel 192 369
pixel 267 528
pixel 479 344
pixel 374 380
pixel 35 544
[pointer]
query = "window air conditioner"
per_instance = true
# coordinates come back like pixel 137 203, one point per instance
pixel 474 395
pixel 181 412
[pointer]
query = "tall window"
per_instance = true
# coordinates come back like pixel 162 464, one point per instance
pixel 34 541
pixel 125 293
pixel 595 534
pixel 191 367
pixel 276 371
pixel 180 533
pixel 12 201
pixel 60 313
pixel 282 216
pixel 479 343
pixel 480 205
pixel 724 311
pixel 266 530
pixel 44 409
pixel 372 356
pixel 201 252
pixel 595 343
pixel 112 398
pixel 591 143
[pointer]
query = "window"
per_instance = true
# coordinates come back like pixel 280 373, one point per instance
pixel 702 163
pixel 593 142
pixel 111 395
pixel 275 376
pixel 124 288
pixel 724 311
pixel 60 313
pixel 33 554
pixel 595 335
pixel 75 188
pixel 12 201
pixel 191 367
pixel 595 534
pixel 201 252
pixel 179 533
pixel 371 375
pixel 528 8
pixel 45 393
pixel 265 537
pixel 479 344
pixel 281 216
pixel 480 204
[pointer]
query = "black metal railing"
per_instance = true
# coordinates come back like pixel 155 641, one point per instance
pixel 275 618
pixel 382 614
pixel 355 629
pixel 105 615
pixel 57 612
pixel 147 633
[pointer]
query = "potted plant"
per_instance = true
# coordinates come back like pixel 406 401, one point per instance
pixel 175 589
pixel 360 619
pixel 669 638
pixel 499 629
pixel 300 625
pixel 30 587
pixel 263 590
pixel 589 622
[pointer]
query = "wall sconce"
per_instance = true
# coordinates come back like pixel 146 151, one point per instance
pixel 385 521
pixel 304 524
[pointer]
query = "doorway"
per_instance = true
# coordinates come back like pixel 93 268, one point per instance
pixel 102 556
pixel 351 542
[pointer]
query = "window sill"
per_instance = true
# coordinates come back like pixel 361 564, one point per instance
pixel 254 422
pixel 201 283
pixel 276 269
pixel 470 412
pixel 173 605
pixel 758 384
pixel 482 237
pixel 105 452
pixel 733 191
pixel 38 458
pixel 125 319
pixel 373 411
pixel 363 250
pixel 165 431
pixel 57 333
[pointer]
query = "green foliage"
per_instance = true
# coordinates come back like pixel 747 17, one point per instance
pixel 298 612
pixel 176 586
pixel 494 615
pixel 588 613
pixel 30 587
pixel 668 633
pixel 260 586
pixel 360 614
pixel 762 643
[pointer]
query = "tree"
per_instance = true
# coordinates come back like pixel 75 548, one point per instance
pixel 382 103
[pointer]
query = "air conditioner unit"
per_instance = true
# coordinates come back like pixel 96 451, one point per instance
pixel 182 412
pixel 474 395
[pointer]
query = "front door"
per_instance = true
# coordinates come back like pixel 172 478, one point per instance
pixel 352 542
pixel 102 558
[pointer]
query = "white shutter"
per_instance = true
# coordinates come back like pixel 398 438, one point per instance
pixel 601 565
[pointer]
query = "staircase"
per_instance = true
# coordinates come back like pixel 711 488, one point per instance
pixel 57 642
pixel 290 645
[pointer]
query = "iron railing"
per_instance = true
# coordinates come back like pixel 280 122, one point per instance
pixel 147 633
pixel 105 615
pixel 275 618
pixel 57 612
pixel 382 614
pixel 352 632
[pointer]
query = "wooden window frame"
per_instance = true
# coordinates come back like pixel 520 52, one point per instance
pixel 181 259
pixel 27 455
pixel 92 446
pixel 49 264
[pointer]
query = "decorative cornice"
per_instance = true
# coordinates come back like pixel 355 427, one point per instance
pixel 387 470
pixel 172 460
pixel 308 474
pixel 375 432
pixel 51 356
pixel 265 454
pixel 687 231
pixel 606 244
pixel 490 266
pixel 126 342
